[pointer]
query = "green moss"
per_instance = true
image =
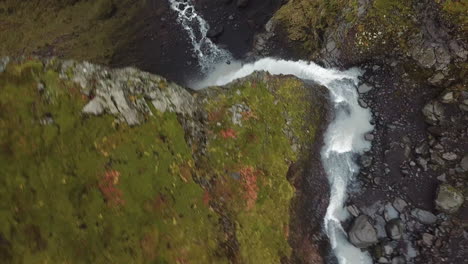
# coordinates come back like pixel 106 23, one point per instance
pixel 457 12
pixel 66 28
pixel 53 206
pixel 305 21
pixel 259 147
pixel 89 189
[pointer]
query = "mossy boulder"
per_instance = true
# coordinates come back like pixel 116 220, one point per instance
pixel 155 173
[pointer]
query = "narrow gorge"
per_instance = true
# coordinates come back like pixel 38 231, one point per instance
pixel 233 131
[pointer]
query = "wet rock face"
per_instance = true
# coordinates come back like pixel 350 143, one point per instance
pixel 449 199
pixel 362 233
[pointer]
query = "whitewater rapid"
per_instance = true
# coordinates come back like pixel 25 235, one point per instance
pixel 344 137
pixel 208 53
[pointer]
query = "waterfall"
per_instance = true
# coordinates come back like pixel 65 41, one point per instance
pixel 208 53
pixel 344 137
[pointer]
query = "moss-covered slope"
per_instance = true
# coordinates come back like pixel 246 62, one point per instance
pixel 120 166
pixel 83 30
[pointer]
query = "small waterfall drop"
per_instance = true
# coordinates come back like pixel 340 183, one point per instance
pixel 344 138
pixel 208 53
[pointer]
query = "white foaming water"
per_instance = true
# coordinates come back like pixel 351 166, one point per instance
pixel 344 138
pixel 208 53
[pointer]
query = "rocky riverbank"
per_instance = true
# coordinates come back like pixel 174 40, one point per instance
pixel 410 202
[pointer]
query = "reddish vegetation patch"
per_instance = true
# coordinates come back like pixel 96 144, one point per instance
pixel 247 115
pixel 249 181
pixel 206 198
pixel 216 116
pixel 229 133
pixel 107 186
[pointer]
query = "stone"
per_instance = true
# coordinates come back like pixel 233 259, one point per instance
pixel 353 210
pixel 362 233
pixel 442 178
pixel 94 107
pixel 422 162
pixel 437 78
pixel 458 49
pixel 427 239
pixel 422 149
pixel 377 180
pixel 394 229
pixel 399 204
pixel 366 161
pixel 380 227
pixel 398 260
pixel 449 199
pixel 364 88
pixel 383 260
pixel 362 103
pixel 433 112
pixel 3 63
pixel 450 156
pixel 369 137
pixel 424 216
pixel 464 163
pixel 40 87
pixel 390 212
pixel 448 98
pixel 427 58
pixel 388 249
pixel 331 45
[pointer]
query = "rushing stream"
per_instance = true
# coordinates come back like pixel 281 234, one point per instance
pixel 344 138
pixel 208 53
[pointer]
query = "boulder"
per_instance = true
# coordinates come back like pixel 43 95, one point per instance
pixel 448 98
pixel 449 199
pixel 427 239
pixel 433 112
pixel 364 88
pixel 424 216
pixel 394 229
pixel 399 204
pixel 362 233
pixel 366 161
